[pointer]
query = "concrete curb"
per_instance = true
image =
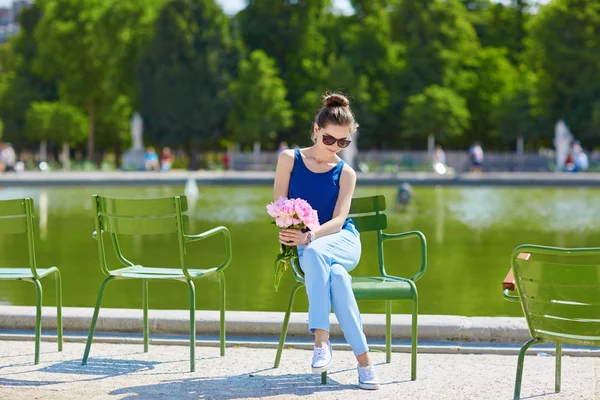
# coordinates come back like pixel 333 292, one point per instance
pixel 544 350
pixel 268 324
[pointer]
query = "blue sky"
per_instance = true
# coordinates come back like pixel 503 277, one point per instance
pixel 233 6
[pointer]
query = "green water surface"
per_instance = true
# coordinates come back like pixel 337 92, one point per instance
pixel 470 231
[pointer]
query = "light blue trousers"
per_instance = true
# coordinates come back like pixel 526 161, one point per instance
pixel 326 263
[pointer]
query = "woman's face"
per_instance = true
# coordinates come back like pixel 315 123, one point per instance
pixel 332 138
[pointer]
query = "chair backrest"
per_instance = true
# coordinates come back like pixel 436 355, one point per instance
pixel 560 292
pixel 16 217
pixel 138 217
pixel 367 213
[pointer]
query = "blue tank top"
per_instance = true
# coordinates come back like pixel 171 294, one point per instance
pixel 319 189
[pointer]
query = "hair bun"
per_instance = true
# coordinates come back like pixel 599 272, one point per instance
pixel 336 100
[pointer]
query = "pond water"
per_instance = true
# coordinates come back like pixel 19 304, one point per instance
pixel 471 232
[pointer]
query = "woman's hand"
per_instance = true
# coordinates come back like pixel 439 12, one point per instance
pixel 293 237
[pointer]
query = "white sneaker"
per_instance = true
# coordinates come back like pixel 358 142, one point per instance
pixel 322 358
pixel 367 379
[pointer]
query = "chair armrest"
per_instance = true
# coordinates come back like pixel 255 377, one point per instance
pixel 404 235
pixel 510 297
pixel 509 281
pixel 219 229
pixel 509 286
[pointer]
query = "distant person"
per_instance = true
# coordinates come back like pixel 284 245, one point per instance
pixel 579 160
pixel 476 155
pixel 439 156
pixel 569 162
pixel 8 157
pixel 282 147
pixel 166 159
pixel 439 160
pixel 226 161
pixel 151 159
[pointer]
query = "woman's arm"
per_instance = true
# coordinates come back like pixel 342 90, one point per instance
pixel 285 163
pixel 342 206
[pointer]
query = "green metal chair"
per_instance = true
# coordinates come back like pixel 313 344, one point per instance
pixel 16 217
pixel 151 217
pixel 559 291
pixel 368 216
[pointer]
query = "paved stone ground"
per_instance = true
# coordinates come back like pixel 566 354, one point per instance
pixel 123 371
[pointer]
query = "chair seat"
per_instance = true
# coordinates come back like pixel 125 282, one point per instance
pixel 22 273
pixel 139 271
pixel 379 288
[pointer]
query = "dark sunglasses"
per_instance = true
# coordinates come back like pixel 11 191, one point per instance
pixel 330 141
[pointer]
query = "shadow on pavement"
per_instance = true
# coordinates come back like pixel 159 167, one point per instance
pixel 248 385
pixel 100 367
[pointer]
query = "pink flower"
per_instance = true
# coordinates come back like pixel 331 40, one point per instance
pixel 306 214
pixel 293 212
pixel 274 209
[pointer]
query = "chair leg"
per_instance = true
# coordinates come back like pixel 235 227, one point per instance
pixel 388 331
pixel 145 308
pixel 59 319
pixel 38 319
pixel 286 321
pixel 415 336
pixel 192 326
pixel 88 344
pixel 558 367
pixel 222 316
pixel 527 345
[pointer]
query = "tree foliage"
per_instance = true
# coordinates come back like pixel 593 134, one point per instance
pixel 19 84
pixel 185 72
pixel 436 111
pixel 564 52
pixel 57 122
pixel 260 107
pixel 492 70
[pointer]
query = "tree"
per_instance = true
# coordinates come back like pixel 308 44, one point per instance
pixel 260 108
pixel 501 25
pixel 375 62
pixel 494 76
pixel 370 7
pixel 564 53
pixel 68 53
pixel 114 126
pixel 290 32
pixel 439 43
pixel 517 114
pixel 439 47
pixel 123 30
pixel 19 85
pixel 437 112
pixel 57 122
pixel 91 48
pixel 185 72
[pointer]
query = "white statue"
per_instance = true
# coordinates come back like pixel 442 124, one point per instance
pixel 133 159
pixel 562 144
pixel 137 128
pixel 350 152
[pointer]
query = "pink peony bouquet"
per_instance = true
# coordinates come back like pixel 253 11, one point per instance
pixel 291 214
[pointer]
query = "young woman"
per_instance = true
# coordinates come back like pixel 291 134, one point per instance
pixel 317 175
